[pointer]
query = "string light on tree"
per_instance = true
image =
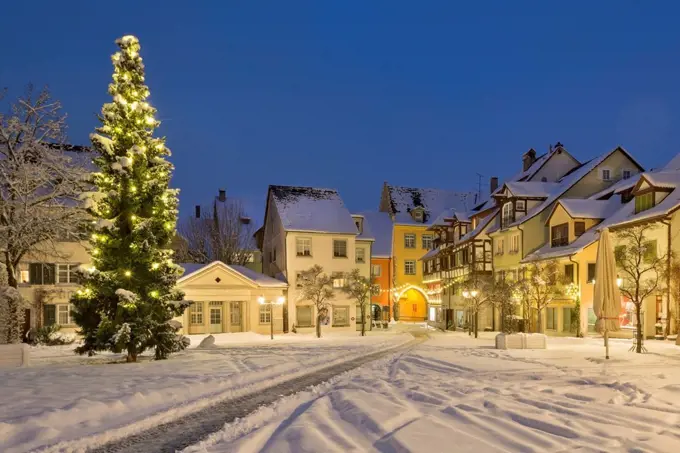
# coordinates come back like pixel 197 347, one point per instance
pixel 135 225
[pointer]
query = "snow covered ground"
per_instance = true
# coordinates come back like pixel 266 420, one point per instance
pixel 454 393
pixel 67 402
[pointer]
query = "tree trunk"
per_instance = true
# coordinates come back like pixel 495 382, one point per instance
pixel 11 273
pixel 132 354
pixel 638 331
pixel 318 326
pixel 363 320
pixel 539 321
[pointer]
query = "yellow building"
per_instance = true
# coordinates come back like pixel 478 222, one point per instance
pixel 525 206
pixel 412 211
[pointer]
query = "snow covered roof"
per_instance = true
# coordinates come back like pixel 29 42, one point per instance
pixel 568 181
pixel 579 208
pixel 249 274
pixel 617 188
pixel 312 209
pixel 379 225
pixel 532 188
pixel 673 164
pixel 433 201
pixel 663 179
pixel 483 223
pixel 430 254
pixel 537 165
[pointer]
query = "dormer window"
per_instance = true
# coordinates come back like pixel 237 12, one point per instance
pixel 507 216
pixel 644 201
pixel 358 221
pixel 418 214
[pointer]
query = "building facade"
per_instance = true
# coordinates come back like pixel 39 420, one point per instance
pixel 412 211
pixel 307 226
pixel 227 299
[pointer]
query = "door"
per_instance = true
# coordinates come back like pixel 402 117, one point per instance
pixel 216 317
pixel 235 317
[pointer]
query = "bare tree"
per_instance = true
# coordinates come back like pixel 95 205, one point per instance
pixel 477 291
pixel 641 268
pixel 317 288
pixel 360 289
pixel 521 292
pixel 501 297
pixel 40 183
pixel 541 286
pixel 222 233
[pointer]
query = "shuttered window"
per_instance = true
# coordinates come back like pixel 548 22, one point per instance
pixel 41 273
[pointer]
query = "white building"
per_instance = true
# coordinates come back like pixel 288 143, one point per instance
pixel 304 226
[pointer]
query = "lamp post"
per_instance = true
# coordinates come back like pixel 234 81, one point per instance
pixel 470 295
pixel 279 301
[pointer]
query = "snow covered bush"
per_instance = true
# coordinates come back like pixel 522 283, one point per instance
pixel 51 336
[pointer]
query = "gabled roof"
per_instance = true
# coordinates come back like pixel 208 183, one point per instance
pixel 570 180
pixel 433 201
pixel 660 179
pixel 312 209
pixel 483 223
pixel 380 226
pixel 249 275
pixel 617 188
pixel 579 208
pixel 532 189
pixel 445 218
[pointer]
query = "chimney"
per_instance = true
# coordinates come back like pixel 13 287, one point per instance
pixel 528 159
pixel 559 147
pixel 198 212
pixel 493 184
pixel 222 195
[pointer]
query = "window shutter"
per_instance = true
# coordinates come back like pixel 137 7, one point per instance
pixel 35 274
pixel 49 315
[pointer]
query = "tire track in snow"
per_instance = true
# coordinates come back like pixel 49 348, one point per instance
pixel 191 429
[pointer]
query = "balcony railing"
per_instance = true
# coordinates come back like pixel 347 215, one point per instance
pixel 559 242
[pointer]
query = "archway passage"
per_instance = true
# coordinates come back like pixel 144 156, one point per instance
pixel 412 306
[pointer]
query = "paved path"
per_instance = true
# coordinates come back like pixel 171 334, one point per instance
pixel 191 429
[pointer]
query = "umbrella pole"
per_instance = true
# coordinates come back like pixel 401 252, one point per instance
pixel 606 343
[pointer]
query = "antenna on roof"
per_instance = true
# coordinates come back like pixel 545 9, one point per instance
pixel 479 185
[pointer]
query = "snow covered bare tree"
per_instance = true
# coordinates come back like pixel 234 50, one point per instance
pixel 129 298
pixel 317 288
pixel 39 187
pixel 222 233
pixel 541 285
pixel 641 268
pixel 360 289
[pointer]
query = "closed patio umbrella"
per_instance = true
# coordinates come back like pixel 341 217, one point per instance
pixel 606 299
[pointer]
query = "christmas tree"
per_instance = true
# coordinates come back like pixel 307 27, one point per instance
pixel 128 297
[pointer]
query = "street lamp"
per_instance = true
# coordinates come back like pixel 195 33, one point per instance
pixel 279 301
pixel 471 295
pixel 619 281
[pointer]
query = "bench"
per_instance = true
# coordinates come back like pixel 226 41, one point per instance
pixel 14 355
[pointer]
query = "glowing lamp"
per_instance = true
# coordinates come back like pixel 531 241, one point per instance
pixel 260 300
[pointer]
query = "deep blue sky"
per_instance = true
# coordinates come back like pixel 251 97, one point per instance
pixel 350 94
